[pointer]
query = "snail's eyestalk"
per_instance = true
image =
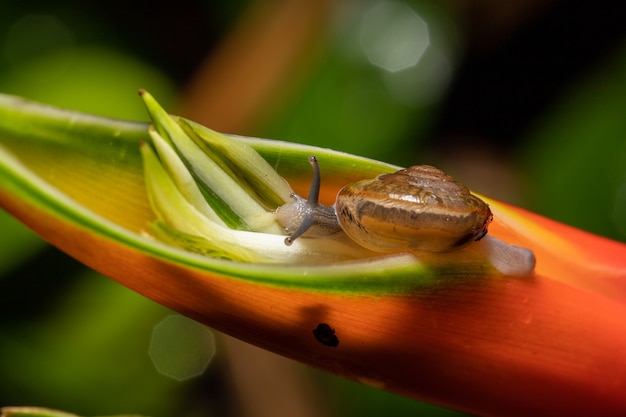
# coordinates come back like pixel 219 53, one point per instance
pixel 316 182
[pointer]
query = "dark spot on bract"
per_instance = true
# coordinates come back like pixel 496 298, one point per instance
pixel 326 335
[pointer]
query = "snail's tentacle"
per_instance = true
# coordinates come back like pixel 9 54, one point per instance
pixel 314 190
pixel 307 222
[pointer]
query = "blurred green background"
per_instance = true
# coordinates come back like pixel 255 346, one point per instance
pixel 522 101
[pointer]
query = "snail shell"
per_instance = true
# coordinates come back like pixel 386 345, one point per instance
pixel 418 208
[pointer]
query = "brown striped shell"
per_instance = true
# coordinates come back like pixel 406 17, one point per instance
pixel 418 208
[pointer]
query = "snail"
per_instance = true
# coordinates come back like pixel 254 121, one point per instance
pixel 420 208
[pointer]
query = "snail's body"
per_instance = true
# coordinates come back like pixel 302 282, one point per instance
pixel 418 208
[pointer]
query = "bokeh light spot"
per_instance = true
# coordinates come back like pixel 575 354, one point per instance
pixel 393 36
pixel 181 348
